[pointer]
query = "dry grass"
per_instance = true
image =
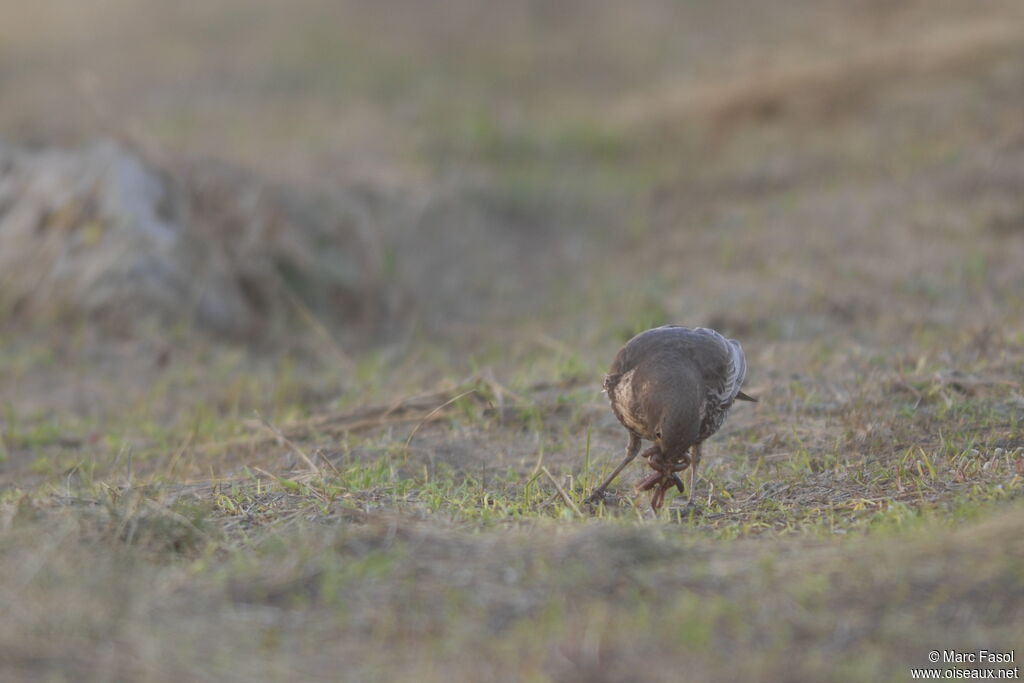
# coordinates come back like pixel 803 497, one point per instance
pixel 175 508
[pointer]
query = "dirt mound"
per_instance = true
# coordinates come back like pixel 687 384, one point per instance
pixel 103 233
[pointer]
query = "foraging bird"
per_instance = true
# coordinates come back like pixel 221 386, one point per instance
pixel 674 386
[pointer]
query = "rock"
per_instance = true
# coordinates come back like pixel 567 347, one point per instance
pixel 103 233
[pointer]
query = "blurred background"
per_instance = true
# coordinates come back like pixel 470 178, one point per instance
pixel 397 168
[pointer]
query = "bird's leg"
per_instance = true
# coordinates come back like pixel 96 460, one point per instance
pixel 694 461
pixel 632 450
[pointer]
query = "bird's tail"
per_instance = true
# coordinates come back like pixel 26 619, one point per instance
pixel 743 397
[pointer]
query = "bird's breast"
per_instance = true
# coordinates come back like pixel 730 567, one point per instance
pixel 625 403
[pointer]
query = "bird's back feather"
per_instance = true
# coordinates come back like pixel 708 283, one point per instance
pixel 692 375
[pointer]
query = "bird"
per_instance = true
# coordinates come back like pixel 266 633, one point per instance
pixel 673 386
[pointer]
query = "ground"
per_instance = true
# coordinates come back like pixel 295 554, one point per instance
pixel 837 185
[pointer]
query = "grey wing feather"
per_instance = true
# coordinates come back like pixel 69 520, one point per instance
pixel 735 368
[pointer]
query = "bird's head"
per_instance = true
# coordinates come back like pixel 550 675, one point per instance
pixel 671 450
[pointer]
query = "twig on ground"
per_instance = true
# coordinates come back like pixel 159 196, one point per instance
pixel 434 412
pixel 298 451
pixel 561 491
